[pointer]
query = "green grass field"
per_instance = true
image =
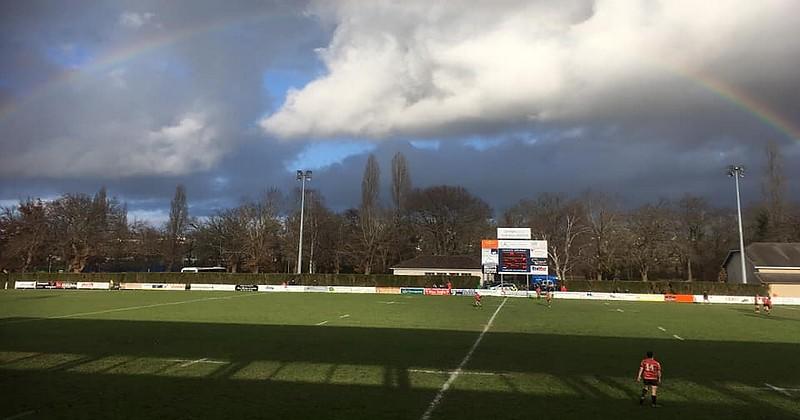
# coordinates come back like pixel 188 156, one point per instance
pixel 168 355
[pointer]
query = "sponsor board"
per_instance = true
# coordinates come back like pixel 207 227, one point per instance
pixel 786 301
pixel 272 288
pixel 387 290
pixel 412 291
pixel 489 292
pixel 732 299
pixel 213 287
pixel 152 286
pixel 246 288
pixel 24 284
pixel 436 291
pixel 351 289
pixel 315 289
pixel 464 292
pixel 513 233
pixel 94 285
pixel 679 298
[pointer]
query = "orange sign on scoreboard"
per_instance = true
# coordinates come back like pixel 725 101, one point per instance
pixel 488 243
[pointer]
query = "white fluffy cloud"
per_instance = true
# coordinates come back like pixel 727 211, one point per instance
pixel 135 20
pixel 424 68
pixel 120 149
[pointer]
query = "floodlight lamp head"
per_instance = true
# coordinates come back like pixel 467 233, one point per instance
pixel 299 175
pixel 308 175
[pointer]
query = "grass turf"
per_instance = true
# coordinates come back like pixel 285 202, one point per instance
pixel 89 354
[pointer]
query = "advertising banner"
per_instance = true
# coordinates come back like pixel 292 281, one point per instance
pixel 464 292
pixel 350 289
pixel 152 286
pixel 246 288
pixel 272 288
pixel 387 290
pixel 315 289
pixel 436 291
pixel 213 287
pixel 513 233
pixel 24 284
pixel 412 291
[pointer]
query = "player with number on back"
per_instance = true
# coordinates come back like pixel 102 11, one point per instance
pixel 650 371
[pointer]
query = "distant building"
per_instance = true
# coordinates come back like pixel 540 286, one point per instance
pixel 439 265
pixel 776 264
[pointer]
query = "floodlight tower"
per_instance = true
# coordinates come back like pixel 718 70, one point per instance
pixel 736 172
pixel 302 176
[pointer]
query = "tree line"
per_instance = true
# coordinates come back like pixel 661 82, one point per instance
pixel 591 236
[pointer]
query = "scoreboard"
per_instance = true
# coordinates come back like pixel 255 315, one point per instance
pixel 514 260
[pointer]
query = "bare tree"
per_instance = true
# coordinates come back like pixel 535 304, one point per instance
pixel 372 222
pixel 555 219
pixel 449 220
pixel 651 230
pixel 773 189
pixel 602 221
pixel 175 230
pixel 25 233
pixel 401 181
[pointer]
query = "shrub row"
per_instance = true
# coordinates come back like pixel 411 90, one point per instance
pixel 664 286
pixel 387 280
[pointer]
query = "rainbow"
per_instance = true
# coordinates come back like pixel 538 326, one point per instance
pixel 745 102
pixel 737 97
pixel 128 52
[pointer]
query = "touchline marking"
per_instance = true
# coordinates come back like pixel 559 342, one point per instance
pixel 677 336
pixel 321 323
pixel 438 398
pixel 662 329
pixel 20 415
pixel 345 316
pixel 129 308
pixel 781 390
pixel 389 303
pixel 620 310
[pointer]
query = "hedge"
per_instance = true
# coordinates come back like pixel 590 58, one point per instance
pixel 665 286
pixel 466 282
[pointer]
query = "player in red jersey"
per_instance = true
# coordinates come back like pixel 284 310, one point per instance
pixel 477 303
pixel 767 304
pixel 650 371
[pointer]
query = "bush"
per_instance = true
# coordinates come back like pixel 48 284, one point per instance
pixel 665 286
pixel 388 280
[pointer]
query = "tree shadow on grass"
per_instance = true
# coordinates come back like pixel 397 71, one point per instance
pixel 386 389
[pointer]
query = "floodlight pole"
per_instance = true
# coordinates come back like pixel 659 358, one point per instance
pixel 302 176
pixel 737 172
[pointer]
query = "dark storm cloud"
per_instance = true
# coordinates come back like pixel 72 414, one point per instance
pixel 644 100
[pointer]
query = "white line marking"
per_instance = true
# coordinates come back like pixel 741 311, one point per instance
pixel 790 308
pixel 677 336
pixel 436 400
pixel 129 308
pixel 345 316
pixel 203 360
pixel 20 415
pixel 781 390
pixel 191 362
pixel 388 303
pixel 321 323
pixel 450 372
pixel 620 310
pixel 662 329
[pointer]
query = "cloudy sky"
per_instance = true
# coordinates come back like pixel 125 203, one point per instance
pixel 508 98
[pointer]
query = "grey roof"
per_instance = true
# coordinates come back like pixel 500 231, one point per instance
pixel 771 278
pixel 774 254
pixel 770 254
pixel 446 262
